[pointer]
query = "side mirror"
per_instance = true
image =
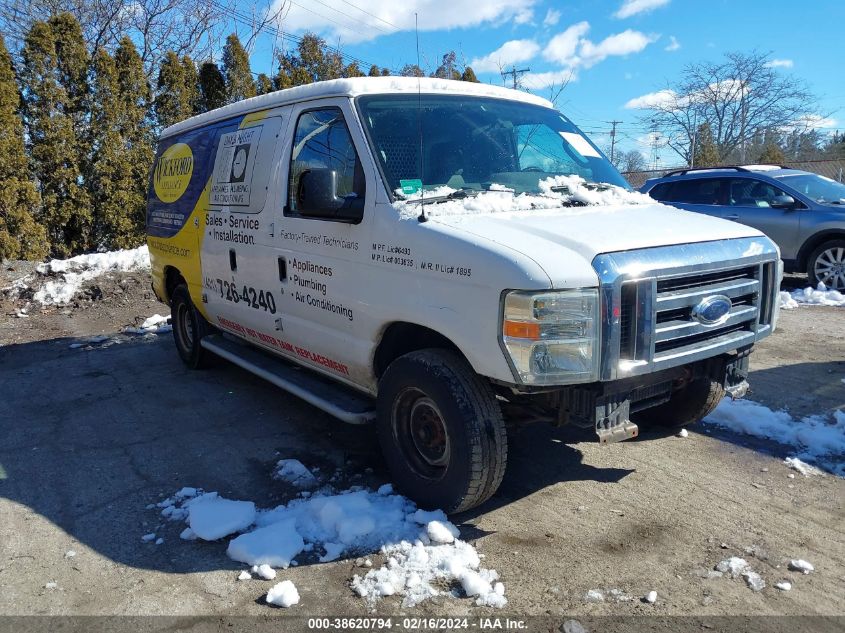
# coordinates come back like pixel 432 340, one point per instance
pixel 782 202
pixel 317 197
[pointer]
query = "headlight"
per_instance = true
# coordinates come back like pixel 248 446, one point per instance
pixel 552 337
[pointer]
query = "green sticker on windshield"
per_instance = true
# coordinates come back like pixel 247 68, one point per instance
pixel 411 186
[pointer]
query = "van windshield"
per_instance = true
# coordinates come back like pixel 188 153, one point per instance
pixel 475 143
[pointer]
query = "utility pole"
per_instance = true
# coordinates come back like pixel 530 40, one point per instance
pixel 613 139
pixel 515 74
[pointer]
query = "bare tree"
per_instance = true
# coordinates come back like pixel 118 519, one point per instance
pixel 186 27
pixel 735 96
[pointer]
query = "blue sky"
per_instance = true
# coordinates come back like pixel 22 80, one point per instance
pixel 615 50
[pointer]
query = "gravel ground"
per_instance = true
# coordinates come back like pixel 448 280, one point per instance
pixel 92 436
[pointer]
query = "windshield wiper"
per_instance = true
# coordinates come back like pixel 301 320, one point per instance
pixel 460 194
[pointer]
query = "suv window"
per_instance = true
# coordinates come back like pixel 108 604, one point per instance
pixel 326 177
pixel 696 191
pixel 748 192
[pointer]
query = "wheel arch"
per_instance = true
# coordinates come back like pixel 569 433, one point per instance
pixel 813 242
pixel 402 337
pixel 172 278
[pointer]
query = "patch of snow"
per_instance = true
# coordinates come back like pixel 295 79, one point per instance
pixel 283 594
pixel 802 467
pixel 754 580
pixel 819 438
pixel 294 472
pixel 783 585
pixel 594 595
pixel 275 545
pixel 683 433
pixel 51 585
pixel 156 324
pixel 733 565
pixel 555 192
pixel 70 553
pixel 264 571
pixel 820 295
pixel 387 489
pixel 159 541
pixel 244 575
pixel 801 565
pixel 72 273
pixel 148 537
pixel 215 518
pixel 442 532
pixel 651 598
pixel 188 535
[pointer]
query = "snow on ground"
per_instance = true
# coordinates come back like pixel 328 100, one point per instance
pixel 808 296
pixel 424 556
pixel 555 191
pixel 820 440
pixel 283 594
pixel 71 274
pixel 294 472
pixel 156 324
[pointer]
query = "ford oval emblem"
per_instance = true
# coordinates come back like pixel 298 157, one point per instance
pixel 712 310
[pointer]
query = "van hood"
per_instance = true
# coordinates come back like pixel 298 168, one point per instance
pixel 593 230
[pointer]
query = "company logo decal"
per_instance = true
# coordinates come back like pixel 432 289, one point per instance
pixel 173 172
pixel 712 310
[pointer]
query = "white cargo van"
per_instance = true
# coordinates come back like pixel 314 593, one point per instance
pixel 444 258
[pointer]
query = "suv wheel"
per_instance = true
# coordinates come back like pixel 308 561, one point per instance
pixel 441 430
pixel 827 265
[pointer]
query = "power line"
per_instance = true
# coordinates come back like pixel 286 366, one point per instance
pixel 328 6
pixel 396 26
pixel 613 138
pixel 515 73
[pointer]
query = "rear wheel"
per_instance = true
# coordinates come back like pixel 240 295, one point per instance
pixel 441 430
pixel 687 406
pixel 189 327
pixel 827 265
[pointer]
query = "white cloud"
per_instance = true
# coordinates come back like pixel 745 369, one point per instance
pixel 673 44
pixel 780 63
pixel 552 17
pixel 538 81
pixel 633 7
pixel 660 99
pixel 815 121
pixel 511 52
pixel 620 44
pixel 563 46
pixel 525 16
pixel 337 20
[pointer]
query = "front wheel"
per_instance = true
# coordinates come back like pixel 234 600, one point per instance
pixel 687 406
pixel 189 327
pixel 827 265
pixel 441 430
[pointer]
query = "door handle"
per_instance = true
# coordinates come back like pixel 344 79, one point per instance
pixel 732 217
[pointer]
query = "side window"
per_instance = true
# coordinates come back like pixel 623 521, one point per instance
pixel 747 192
pixel 661 192
pixel 326 178
pixel 698 191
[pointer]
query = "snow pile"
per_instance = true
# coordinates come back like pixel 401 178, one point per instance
pixel 156 324
pixel 294 472
pixel 556 191
pixel 72 273
pixel 733 566
pixel 802 467
pixel 423 552
pixel 820 440
pixel 283 594
pixel 820 296
pixel 801 565
pixel 211 517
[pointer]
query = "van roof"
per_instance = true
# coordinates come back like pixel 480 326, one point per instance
pixel 353 88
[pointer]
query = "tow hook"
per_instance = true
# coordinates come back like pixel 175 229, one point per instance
pixel 738 390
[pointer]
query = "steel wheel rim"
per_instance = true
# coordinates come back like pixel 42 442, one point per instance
pixel 421 434
pixel 186 327
pixel 829 268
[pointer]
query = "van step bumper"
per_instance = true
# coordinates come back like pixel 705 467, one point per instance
pixel 327 395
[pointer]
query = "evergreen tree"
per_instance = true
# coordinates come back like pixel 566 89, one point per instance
pixel 374 71
pixel 706 152
pixel 239 83
pixel 212 93
pixel 176 91
pixel 313 61
pixel 353 70
pixel 772 155
pixel 469 75
pixel 21 237
pixel 192 85
pixel 53 96
pixel 411 70
pixel 385 72
pixel 263 84
pixel 447 69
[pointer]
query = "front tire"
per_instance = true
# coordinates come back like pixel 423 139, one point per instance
pixel 687 406
pixel 189 327
pixel 441 430
pixel 826 264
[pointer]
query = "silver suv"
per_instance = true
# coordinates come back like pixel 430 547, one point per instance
pixel 803 213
